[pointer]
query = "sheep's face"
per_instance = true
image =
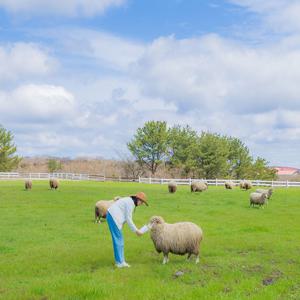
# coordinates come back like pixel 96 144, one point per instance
pixel 263 196
pixel 156 220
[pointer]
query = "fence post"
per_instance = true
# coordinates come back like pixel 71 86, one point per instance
pixel 150 180
pixel 287 183
pixel 190 181
pixel 216 181
pixel 139 179
pixel 161 181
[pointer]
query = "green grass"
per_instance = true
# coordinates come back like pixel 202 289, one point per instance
pixel 51 249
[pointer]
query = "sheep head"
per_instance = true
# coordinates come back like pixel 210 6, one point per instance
pixel 156 220
pixel 263 196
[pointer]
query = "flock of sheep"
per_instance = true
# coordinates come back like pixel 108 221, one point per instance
pixel 54 183
pixel 182 237
pixel 259 197
pixel 179 238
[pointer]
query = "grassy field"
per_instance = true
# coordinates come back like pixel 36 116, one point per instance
pixel 51 249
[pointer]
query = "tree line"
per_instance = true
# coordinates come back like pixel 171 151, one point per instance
pixel 205 155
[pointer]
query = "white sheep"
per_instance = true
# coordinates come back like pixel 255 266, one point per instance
pixel 28 184
pixel 257 199
pixel 101 208
pixel 172 187
pixel 178 238
pixel 229 185
pixel 53 183
pixel 199 186
pixel 246 185
pixel 268 192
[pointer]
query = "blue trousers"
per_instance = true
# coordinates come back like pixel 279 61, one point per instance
pixel 117 239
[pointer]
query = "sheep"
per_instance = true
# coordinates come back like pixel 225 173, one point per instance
pixel 268 192
pixel 28 184
pixel 199 186
pixel 53 183
pixel 229 185
pixel 257 199
pixel 172 186
pixel 246 185
pixel 178 238
pixel 101 208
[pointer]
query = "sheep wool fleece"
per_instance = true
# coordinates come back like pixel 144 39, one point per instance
pixel 117 238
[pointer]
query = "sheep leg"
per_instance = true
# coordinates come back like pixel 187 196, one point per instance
pixel 166 259
pixel 197 259
pixel 189 256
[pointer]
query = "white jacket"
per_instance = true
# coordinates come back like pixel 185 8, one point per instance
pixel 121 211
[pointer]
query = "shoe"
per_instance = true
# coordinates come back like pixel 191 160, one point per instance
pixel 123 265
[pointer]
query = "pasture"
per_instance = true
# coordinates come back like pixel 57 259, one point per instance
pixel 50 248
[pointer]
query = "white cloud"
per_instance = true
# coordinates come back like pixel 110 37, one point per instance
pixel 215 74
pixel 20 60
pixel 71 8
pixel 37 103
pixel 106 50
pixel 279 15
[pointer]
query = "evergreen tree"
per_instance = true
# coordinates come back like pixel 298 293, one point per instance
pixel 8 159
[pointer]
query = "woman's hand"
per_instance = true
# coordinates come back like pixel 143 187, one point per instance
pixel 138 233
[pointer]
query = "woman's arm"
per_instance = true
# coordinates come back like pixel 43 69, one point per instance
pixel 129 221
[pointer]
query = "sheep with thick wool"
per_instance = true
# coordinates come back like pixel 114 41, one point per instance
pixel 53 183
pixel 258 199
pixel 229 185
pixel 246 185
pixel 101 208
pixel 172 187
pixel 268 192
pixel 199 186
pixel 178 238
pixel 28 184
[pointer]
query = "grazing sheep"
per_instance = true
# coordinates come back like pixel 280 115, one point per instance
pixel 257 199
pixel 101 208
pixel 199 186
pixel 268 192
pixel 178 238
pixel 172 186
pixel 229 185
pixel 28 184
pixel 246 185
pixel 53 183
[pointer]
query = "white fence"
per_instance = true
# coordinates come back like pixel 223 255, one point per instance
pixel 67 176
pixel 149 180
pixel 217 182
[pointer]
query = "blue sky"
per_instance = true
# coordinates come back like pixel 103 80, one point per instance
pixel 78 77
pixel 143 20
